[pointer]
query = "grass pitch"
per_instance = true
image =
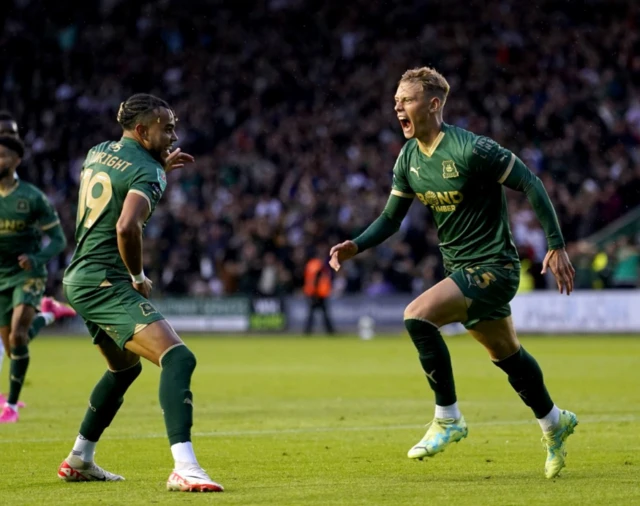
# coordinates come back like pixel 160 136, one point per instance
pixel 311 421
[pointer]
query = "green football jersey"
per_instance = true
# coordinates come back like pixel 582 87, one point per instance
pixel 25 212
pixel 460 180
pixel 111 170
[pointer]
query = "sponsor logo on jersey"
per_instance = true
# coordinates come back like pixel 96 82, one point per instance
pixel 449 169
pixel 10 226
pixel 162 179
pixel 416 170
pixel 156 191
pixel 442 202
pixel 22 206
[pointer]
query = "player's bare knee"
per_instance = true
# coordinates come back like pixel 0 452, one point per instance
pixel 418 310
pixel 503 348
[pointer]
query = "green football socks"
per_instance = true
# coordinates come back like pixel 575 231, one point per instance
pixel 105 401
pixel 176 399
pixel 434 358
pixel 39 322
pixel 525 376
pixel 18 371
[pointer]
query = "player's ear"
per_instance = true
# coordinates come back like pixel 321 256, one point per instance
pixel 434 105
pixel 142 131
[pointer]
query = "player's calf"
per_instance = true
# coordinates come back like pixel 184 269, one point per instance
pixel 176 399
pixel 105 401
pixel 525 376
pixel 18 372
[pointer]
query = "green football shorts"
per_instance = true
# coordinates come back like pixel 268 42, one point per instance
pixel 490 289
pixel 116 311
pixel 28 291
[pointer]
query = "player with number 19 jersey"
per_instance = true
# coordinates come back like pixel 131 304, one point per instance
pixel 111 171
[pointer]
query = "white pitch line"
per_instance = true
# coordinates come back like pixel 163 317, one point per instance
pixel 318 430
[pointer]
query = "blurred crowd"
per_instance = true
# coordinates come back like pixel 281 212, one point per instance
pixel 288 107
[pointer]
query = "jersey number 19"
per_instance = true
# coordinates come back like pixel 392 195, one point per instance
pixel 87 201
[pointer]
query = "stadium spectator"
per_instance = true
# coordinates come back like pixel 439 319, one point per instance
pixel 317 289
pixel 286 106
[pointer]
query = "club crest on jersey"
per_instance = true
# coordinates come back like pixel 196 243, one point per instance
pixel 147 308
pixel 162 179
pixel 449 169
pixel 22 206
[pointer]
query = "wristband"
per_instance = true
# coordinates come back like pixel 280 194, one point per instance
pixel 138 278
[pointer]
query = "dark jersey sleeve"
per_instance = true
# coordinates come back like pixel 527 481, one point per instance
pixel 149 182
pixel 488 159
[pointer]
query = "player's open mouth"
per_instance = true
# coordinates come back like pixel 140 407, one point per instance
pixel 405 123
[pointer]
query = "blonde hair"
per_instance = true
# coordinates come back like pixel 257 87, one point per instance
pixel 432 81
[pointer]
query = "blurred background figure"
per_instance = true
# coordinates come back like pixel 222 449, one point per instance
pixel 627 267
pixel 317 288
pixel 293 131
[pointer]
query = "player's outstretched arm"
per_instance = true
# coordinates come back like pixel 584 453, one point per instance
pixel 520 178
pixel 387 224
pixel 135 211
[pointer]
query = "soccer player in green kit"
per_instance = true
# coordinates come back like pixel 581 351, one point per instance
pixel 121 184
pixel 460 175
pixel 25 215
pixel 50 309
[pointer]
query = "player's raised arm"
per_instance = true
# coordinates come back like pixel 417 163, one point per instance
pixel 135 212
pixel 511 172
pixel 387 224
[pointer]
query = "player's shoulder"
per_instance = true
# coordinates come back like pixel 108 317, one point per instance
pixel 410 147
pixel 471 143
pixel 101 147
pixel 31 190
pixel 460 135
pixel 126 156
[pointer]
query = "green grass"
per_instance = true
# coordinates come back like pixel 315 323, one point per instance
pixel 319 421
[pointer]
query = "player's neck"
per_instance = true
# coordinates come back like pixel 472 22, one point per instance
pixel 429 137
pixel 8 181
pixel 131 135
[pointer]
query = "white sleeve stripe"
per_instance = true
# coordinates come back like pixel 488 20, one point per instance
pixel 508 170
pixel 138 192
pixel 403 195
